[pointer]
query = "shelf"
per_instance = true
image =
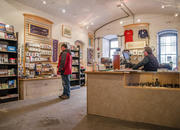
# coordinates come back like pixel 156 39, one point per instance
pixel 75 57
pixel 7 89
pixel 75 72
pixel 75 65
pixel 6 76
pixel 9 96
pixel 8 52
pixel 7 39
pixel 74 80
pixel 75 50
pixel 8 64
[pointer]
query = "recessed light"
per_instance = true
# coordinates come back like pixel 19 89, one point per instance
pixel 63 11
pixel 176 14
pixel 138 20
pixel 92 23
pixel 121 22
pixel 162 6
pixel 44 2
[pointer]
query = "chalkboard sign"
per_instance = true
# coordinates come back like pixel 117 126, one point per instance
pixel 38 30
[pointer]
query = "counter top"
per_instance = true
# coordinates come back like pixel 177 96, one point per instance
pixel 129 71
pixel 39 78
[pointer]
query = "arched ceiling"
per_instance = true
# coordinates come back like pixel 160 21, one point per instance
pixel 95 13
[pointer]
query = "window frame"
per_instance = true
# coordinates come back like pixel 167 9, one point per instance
pixel 165 33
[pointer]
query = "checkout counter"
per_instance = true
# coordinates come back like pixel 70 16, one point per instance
pixel 148 97
pixel 135 95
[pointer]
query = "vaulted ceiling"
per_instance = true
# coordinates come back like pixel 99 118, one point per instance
pixel 94 13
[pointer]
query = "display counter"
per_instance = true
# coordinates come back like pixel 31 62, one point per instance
pixel 40 87
pixel 148 97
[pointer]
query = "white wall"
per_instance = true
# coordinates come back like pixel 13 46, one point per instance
pixel 158 22
pixel 12 13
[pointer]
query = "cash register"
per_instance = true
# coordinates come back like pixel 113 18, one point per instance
pixel 127 59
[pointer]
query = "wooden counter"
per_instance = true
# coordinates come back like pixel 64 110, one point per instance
pixel 40 87
pixel 108 94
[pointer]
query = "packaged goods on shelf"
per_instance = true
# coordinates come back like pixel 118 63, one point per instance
pixel 3 58
pixel 75 62
pixel 11 48
pixel 2 35
pixel 12 83
pixel 45 52
pixel 74 69
pixel 45 46
pixel 33 49
pixel 33 45
pixel 12 60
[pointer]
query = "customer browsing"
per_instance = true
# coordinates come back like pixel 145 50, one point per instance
pixel 65 70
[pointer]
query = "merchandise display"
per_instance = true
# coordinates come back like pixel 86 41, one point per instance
pixel 128 35
pixel 8 70
pixel 36 55
pixel 143 33
pixel 75 77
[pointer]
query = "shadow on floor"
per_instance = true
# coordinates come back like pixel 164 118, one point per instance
pixel 28 108
pixel 92 122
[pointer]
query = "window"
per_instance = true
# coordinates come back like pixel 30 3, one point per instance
pixel 168 41
pixel 113 44
pixel 105 48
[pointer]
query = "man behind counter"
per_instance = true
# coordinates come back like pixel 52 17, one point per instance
pixel 149 62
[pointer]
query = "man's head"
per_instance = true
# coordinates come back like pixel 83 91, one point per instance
pixel 147 51
pixel 63 47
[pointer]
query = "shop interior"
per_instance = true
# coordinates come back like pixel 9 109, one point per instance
pixel 115 81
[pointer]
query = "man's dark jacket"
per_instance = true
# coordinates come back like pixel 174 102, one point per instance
pixel 149 62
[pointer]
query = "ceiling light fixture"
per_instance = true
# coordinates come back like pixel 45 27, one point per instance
pixel 92 23
pixel 44 2
pixel 138 20
pixel 63 11
pixel 162 6
pixel 121 22
pixel 176 14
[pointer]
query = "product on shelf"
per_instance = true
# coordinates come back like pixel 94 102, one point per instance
pixel 11 48
pixel 7 84
pixel 75 62
pixel 3 58
pixel 7 71
pixel 12 60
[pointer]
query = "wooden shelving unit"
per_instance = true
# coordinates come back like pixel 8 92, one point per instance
pixel 9 90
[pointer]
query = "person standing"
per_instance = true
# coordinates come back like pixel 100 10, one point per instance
pixel 65 70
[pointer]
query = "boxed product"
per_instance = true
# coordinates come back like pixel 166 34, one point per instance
pixel 11 48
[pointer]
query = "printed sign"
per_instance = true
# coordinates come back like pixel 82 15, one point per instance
pixel 38 30
pixel 55 51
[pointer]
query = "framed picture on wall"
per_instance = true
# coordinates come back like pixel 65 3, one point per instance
pixel 90 54
pixel 66 31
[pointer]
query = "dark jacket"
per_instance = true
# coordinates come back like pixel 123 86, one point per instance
pixel 65 63
pixel 149 62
